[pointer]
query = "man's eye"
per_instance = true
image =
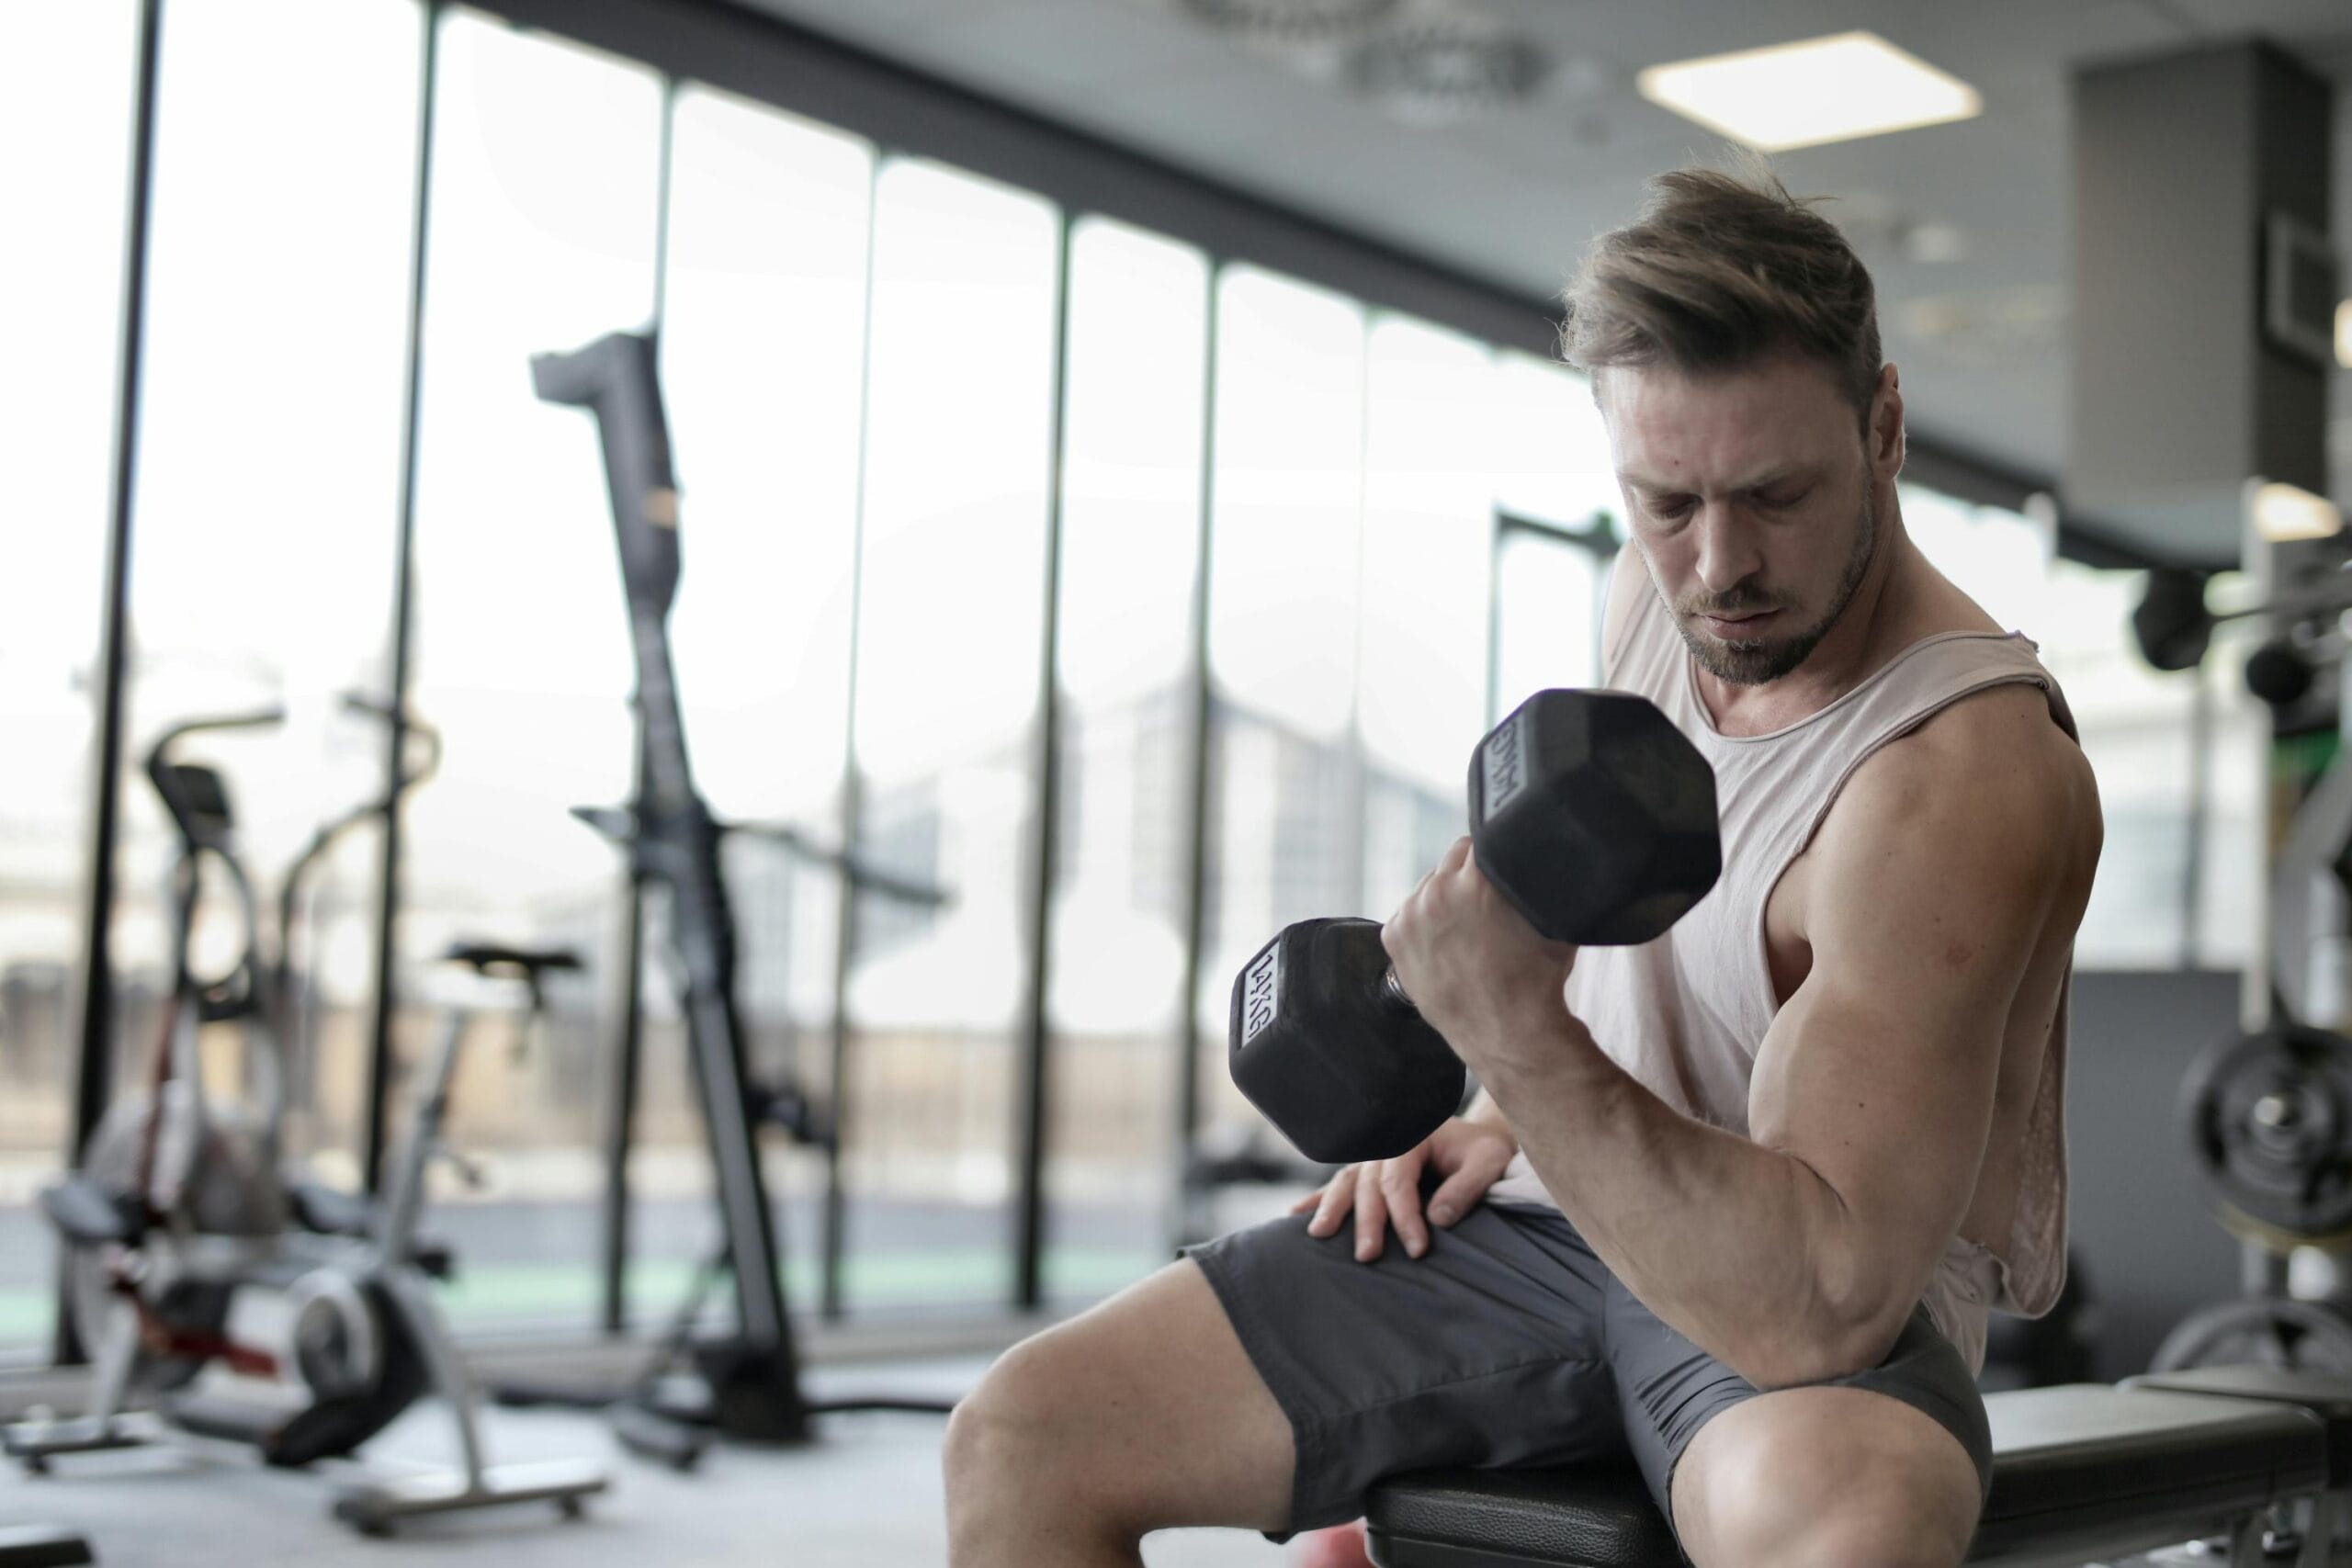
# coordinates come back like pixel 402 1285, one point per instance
pixel 1671 508
pixel 1783 498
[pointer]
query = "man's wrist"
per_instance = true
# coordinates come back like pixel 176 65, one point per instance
pixel 1553 1044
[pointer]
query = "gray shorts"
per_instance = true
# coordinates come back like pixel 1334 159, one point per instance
pixel 1507 1343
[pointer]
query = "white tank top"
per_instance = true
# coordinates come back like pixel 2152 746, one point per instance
pixel 1685 1014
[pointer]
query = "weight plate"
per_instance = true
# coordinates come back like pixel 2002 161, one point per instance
pixel 2269 1118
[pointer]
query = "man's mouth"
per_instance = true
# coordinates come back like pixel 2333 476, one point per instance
pixel 1748 623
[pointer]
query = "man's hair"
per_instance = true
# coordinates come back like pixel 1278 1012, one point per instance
pixel 1718 272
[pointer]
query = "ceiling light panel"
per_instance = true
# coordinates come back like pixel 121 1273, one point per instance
pixel 1817 90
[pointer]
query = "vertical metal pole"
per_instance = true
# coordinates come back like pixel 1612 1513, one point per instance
pixel 1197 786
pixel 628 1054
pixel 1355 800
pixel 1034 1064
pixel 386 977
pixel 1497 530
pixel 94 1064
pixel 2200 769
pixel 2260 560
pixel 621 1086
pixel 833 1226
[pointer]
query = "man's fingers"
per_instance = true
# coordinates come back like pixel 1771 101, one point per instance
pixel 1458 1194
pixel 1333 1204
pixel 1400 1189
pixel 1371 1214
pixel 1482 1165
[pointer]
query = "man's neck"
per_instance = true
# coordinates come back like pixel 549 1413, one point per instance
pixel 1869 632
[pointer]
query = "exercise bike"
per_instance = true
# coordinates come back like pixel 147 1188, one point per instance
pixel 189 1252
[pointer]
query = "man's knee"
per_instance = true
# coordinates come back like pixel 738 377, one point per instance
pixel 1142 1413
pixel 1014 1422
pixel 1880 1494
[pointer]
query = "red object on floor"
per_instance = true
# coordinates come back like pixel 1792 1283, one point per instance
pixel 1341 1546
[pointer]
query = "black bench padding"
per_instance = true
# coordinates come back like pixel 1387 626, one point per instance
pixel 2085 1457
pixel 1596 1516
pixel 2327 1394
pixel 2068 1462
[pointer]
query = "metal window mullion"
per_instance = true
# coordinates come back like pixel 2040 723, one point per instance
pixel 852 801
pixel 385 978
pixel 94 1064
pixel 1198 784
pixel 1034 1067
pixel 626 1073
pixel 1355 818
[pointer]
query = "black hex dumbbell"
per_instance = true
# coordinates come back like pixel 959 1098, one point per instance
pixel 1589 812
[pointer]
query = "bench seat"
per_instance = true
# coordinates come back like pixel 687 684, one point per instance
pixel 2085 1469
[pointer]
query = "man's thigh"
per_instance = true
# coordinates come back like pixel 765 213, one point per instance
pixel 1727 1462
pixel 1484 1351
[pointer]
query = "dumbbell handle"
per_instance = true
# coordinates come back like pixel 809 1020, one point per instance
pixel 1392 991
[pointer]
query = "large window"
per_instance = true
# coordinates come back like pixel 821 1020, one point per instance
pixel 1285 567
pixel 764 351
pixel 66 99
pixel 1427 557
pixel 1549 595
pixel 949 653
pixel 1135 399
pixel 268 503
pixel 542 229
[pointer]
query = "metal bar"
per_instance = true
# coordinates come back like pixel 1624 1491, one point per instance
pixel 1035 1063
pixel 833 1228
pixel 621 1086
pixel 1497 530
pixel 2200 769
pixel 1197 787
pixel 1355 802
pixel 94 1064
pixel 620 1105
pixel 385 978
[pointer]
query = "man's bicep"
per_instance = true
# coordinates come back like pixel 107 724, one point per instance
pixel 1880 1073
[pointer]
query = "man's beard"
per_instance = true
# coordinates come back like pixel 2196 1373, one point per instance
pixel 1753 662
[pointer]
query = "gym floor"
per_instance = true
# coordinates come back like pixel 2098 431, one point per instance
pixel 867 1495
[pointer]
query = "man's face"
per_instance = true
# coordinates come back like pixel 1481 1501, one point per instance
pixel 1752 496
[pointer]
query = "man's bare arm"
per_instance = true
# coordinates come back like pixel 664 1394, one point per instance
pixel 1797 1253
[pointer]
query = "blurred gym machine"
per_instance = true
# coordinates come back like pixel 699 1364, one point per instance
pixel 2266 1111
pixel 744 1383
pixel 42 1546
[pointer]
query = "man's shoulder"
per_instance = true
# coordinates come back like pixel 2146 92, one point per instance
pixel 1993 774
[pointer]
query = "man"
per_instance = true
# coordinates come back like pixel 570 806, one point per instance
pixel 1750 1190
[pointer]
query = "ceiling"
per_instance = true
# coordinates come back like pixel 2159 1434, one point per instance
pixel 1964 225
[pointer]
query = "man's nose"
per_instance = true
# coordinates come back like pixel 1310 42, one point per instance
pixel 1727 554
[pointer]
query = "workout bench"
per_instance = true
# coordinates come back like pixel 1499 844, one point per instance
pixel 2081 1472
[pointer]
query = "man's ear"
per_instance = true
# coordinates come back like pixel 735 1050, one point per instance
pixel 1886 433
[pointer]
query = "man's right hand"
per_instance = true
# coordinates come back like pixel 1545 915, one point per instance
pixel 1383 1192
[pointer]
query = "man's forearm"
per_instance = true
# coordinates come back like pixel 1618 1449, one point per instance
pixel 1742 1250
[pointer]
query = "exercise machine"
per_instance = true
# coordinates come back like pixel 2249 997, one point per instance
pixel 745 1382
pixel 2267 1109
pixel 222 1300
pixel 374 1506
pixel 42 1546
